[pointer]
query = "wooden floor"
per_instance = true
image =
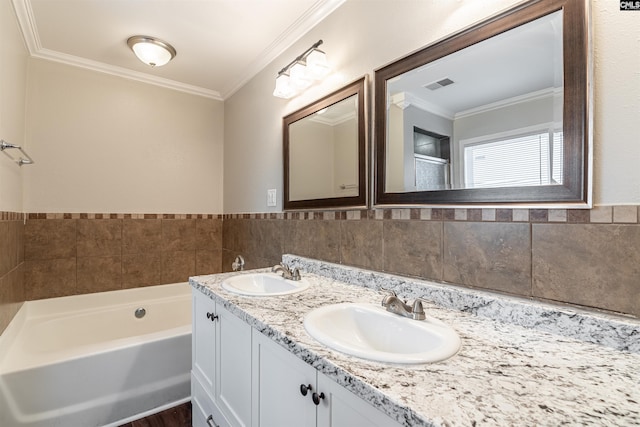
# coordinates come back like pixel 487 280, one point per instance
pixel 179 416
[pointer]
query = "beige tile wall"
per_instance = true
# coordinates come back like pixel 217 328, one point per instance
pixel 12 293
pixel 590 258
pixel 584 257
pixel 68 254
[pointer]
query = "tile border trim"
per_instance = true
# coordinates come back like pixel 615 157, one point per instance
pixel 623 214
pixel 12 216
pixel 35 216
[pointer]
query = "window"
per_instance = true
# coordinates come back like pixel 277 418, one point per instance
pixel 523 160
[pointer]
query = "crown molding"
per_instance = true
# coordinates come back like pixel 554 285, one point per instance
pixel 509 102
pixel 314 15
pixel 26 22
pixel 404 100
pixel 301 26
pixel 113 70
pixel 335 121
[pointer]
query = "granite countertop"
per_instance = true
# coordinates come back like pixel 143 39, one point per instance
pixel 504 373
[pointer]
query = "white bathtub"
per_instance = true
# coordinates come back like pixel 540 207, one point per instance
pixel 86 360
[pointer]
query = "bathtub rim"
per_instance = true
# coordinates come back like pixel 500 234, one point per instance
pixel 47 306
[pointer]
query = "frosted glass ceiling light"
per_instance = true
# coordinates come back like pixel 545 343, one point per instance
pixel 150 50
pixel 317 66
pixel 283 87
pixel 299 78
pixel 302 71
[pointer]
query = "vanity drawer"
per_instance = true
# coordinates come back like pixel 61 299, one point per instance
pixel 204 412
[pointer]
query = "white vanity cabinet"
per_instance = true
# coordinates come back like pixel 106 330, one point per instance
pixel 221 366
pixel 241 378
pixel 289 392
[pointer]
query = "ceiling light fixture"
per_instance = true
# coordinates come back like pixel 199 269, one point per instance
pixel 150 50
pixel 300 73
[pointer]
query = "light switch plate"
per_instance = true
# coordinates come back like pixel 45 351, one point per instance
pixel 271 197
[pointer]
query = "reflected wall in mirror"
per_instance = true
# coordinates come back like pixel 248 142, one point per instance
pixel 325 152
pixel 498 113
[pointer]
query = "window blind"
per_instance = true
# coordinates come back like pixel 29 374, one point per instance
pixel 526 160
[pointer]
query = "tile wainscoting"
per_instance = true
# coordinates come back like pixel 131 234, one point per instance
pixel 12 293
pixel 68 254
pixel 585 257
pixel 589 258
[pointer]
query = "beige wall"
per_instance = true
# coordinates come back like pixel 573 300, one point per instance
pixel 345 158
pixel 311 160
pixel 13 72
pixel 356 44
pixel 107 144
pixel 396 151
pixel 617 104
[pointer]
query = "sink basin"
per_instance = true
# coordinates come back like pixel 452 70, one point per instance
pixel 370 332
pixel 264 284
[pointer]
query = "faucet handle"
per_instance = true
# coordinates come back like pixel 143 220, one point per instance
pixel 388 291
pixel 389 297
pixel 238 263
pixel 418 310
pixel 295 274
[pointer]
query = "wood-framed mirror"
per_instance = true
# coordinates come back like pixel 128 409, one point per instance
pixel 325 151
pixel 498 113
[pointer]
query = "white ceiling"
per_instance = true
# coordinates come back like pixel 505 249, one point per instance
pixel 525 61
pixel 220 44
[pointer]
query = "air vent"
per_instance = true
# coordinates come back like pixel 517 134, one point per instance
pixel 439 84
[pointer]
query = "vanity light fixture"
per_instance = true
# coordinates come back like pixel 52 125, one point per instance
pixel 300 73
pixel 150 50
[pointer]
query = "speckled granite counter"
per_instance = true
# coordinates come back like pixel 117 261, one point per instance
pixel 504 374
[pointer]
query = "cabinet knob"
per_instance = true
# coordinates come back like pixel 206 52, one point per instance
pixel 210 421
pixel 304 389
pixel 212 316
pixel 317 398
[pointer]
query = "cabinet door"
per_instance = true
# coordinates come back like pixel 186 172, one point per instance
pixel 277 376
pixel 233 364
pixel 341 408
pixel 203 340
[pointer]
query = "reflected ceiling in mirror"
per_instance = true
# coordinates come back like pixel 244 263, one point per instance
pixel 325 152
pixel 498 113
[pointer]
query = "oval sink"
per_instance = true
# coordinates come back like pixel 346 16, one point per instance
pixel 263 284
pixel 370 332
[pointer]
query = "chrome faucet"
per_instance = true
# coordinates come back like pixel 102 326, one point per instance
pixel 395 305
pixel 286 272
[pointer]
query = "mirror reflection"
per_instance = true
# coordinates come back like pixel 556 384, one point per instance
pixel 497 113
pixel 489 115
pixel 325 152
